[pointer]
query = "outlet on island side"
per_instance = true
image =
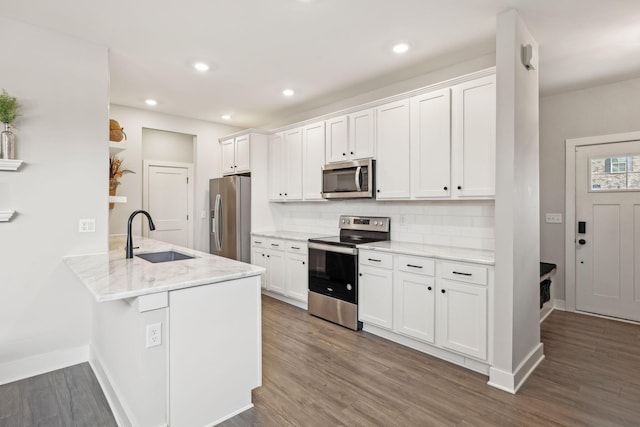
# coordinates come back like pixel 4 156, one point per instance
pixel 154 335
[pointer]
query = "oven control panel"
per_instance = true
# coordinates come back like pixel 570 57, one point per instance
pixel 364 223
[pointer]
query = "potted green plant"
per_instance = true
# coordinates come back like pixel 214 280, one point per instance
pixel 8 113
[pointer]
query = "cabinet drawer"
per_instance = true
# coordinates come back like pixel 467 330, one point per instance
pixel 259 241
pixel 418 265
pixel 375 259
pixel 275 244
pixel 464 273
pixel 296 247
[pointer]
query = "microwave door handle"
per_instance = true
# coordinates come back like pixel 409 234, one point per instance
pixel 358 178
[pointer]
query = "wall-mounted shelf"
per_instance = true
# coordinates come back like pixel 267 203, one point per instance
pixel 116 147
pixel 117 199
pixel 5 216
pixel 10 165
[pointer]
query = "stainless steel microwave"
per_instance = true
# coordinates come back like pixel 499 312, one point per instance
pixel 349 180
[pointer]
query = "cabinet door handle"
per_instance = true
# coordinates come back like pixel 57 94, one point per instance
pixel 268 256
pixel 262 254
pixel 351 152
pixel 414 266
pixel 446 188
pixel 459 187
pixel 257 242
pixel 360 274
pixel 303 263
pixel 443 291
pixel 276 245
pixel 374 260
pixel 462 274
pixel 295 247
pixel 429 288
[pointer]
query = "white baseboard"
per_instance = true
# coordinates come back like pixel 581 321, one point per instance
pixel 118 407
pixel 512 381
pixel 299 304
pixel 42 363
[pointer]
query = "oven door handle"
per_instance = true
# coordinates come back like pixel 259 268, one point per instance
pixel 358 178
pixel 332 248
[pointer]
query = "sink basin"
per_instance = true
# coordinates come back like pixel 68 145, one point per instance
pixel 165 256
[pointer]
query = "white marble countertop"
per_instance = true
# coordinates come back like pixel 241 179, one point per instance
pixel 110 276
pixel 451 253
pixel 289 235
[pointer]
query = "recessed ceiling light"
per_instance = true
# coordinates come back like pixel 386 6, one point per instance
pixel 288 92
pixel 226 117
pixel 151 102
pixel 401 47
pixel 201 66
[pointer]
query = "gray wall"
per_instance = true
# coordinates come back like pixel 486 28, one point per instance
pixel 601 110
pixel 167 146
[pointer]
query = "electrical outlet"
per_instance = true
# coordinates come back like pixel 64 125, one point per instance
pixel 553 218
pixel 402 220
pixel 154 334
pixel 87 225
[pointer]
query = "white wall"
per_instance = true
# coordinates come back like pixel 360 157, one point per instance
pixel 601 110
pixel 516 347
pixel 207 155
pixel 62 134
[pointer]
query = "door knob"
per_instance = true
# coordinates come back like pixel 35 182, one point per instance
pixel 582 241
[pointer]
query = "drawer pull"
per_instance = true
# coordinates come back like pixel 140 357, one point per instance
pixel 414 266
pixel 295 247
pixel 462 274
pixel 276 245
pixel 374 260
pixel 258 242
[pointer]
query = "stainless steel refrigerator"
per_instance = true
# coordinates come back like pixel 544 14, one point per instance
pixel 230 225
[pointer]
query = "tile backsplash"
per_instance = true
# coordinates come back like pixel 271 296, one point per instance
pixel 466 224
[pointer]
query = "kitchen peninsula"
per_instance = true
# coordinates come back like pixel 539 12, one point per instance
pixel 176 342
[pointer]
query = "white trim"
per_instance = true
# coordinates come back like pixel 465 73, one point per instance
pixel 20 369
pixel 511 382
pixel 570 204
pixel 120 410
pixel 231 415
pixel 190 196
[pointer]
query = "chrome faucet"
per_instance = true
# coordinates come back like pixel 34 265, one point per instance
pixel 129 247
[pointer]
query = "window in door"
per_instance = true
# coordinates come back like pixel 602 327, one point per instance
pixel 615 173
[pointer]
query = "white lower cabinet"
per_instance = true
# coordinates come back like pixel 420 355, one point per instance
pixel 375 296
pixel 416 311
pixel 443 305
pixel 286 265
pixel 275 266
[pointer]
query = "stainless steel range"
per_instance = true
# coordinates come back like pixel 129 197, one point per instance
pixel 333 268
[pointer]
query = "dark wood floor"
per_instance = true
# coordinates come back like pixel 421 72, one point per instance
pixel 69 397
pixel 319 374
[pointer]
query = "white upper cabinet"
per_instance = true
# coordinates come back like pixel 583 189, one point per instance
pixel 312 161
pixel 285 165
pixel 236 155
pixel 293 165
pixel 393 179
pixel 337 144
pixel 474 138
pixel 276 167
pixel 351 137
pixel 431 145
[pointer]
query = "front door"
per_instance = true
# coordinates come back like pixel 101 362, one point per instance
pixel 168 203
pixel 608 229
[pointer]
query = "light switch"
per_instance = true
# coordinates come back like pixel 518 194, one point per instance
pixel 87 225
pixel 553 218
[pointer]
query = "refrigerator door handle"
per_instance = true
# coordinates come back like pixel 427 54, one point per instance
pixel 218 222
pixel 213 222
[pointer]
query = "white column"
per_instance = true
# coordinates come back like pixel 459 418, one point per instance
pixel 516 346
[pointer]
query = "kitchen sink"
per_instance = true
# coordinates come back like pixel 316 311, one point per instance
pixel 165 256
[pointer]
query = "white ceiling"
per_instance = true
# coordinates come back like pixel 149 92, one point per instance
pixel 324 49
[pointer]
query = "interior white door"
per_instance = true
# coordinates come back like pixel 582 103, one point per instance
pixel 608 248
pixel 168 204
